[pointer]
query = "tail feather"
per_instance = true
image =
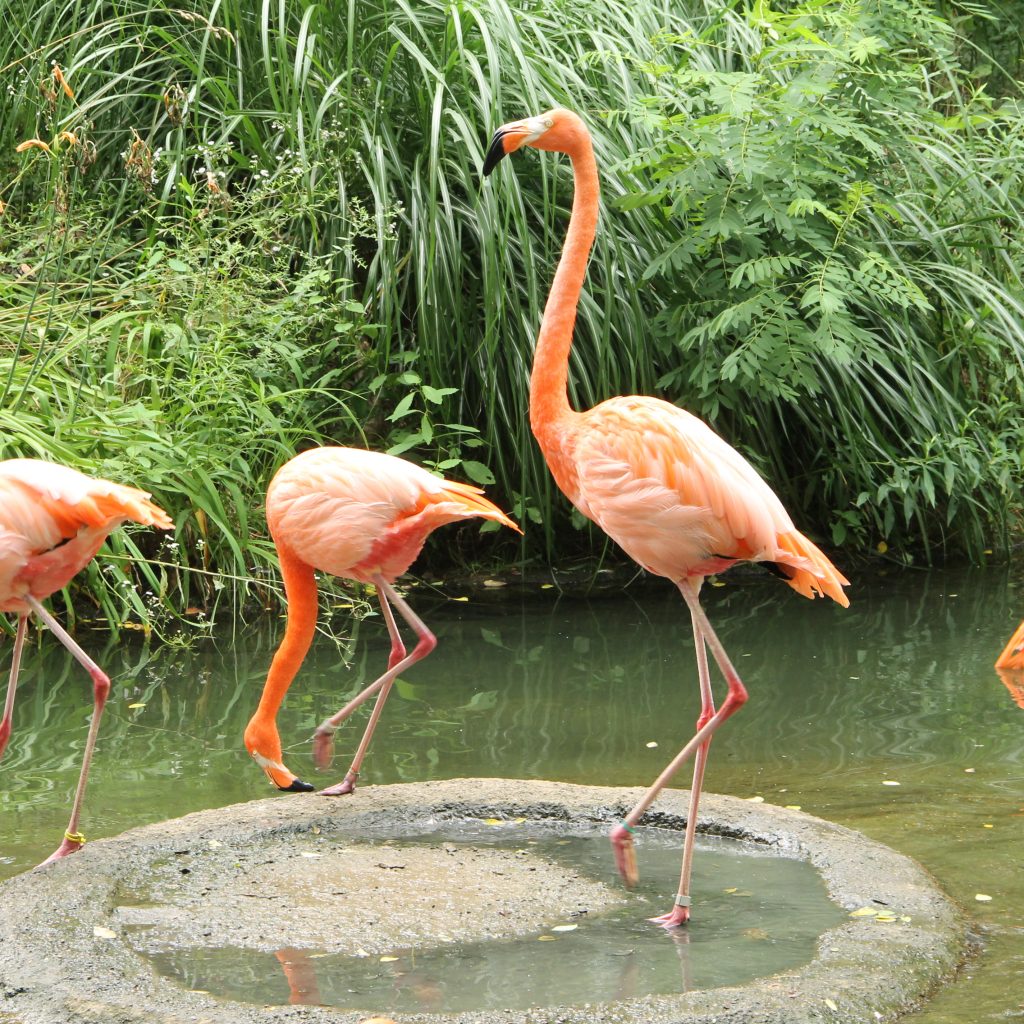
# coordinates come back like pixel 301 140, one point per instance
pixel 104 502
pixel 809 570
pixel 472 500
pixel 1013 652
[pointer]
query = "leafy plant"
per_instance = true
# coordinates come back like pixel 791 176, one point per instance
pixel 843 292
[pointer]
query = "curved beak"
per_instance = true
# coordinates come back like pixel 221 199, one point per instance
pixel 507 139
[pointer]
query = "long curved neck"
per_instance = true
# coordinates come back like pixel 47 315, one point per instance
pixel 300 589
pixel 549 400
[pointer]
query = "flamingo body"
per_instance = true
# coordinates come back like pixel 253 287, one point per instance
pixel 1012 656
pixel 53 520
pixel 676 497
pixel 358 514
pixel 363 516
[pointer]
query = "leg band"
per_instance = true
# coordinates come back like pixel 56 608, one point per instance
pixel 681 900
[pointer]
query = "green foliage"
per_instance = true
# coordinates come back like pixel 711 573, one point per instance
pixel 246 228
pixel 843 291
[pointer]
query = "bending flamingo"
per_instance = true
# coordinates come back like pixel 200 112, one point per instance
pixel 1013 652
pixel 363 516
pixel 53 520
pixel 659 481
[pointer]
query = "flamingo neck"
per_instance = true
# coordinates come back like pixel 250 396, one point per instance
pixel 549 400
pixel 300 590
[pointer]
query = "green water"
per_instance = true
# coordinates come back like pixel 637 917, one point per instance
pixel 897 688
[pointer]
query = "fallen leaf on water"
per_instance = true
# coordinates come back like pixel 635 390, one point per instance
pixel 565 927
pixel 493 821
pixel 360 952
pixel 904 919
pixel 864 912
pixel 545 938
pixel 889 782
pixel 494 583
pixel 652 744
pixel 306 853
pixel 717 583
pixel 518 821
pixel 387 959
pixel 987 825
pixel 982 897
pixel 103 933
pixel 132 707
pixel 792 807
pixel 970 771
pixel 831 1005
pixel 733 889
pixel 547 586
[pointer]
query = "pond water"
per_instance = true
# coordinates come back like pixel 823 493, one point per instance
pixel 899 688
pixel 762 914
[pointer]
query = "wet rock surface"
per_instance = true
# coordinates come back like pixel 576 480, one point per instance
pixel 357 899
pixel 69 934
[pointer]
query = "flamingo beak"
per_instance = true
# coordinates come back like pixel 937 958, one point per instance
pixel 507 139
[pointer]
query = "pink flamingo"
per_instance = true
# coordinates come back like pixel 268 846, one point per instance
pixel 53 520
pixel 660 482
pixel 363 516
pixel 1013 652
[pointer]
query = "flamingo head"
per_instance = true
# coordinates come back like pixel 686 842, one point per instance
pixel 556 130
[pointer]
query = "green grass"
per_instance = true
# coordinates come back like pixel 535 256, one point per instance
pixel 269 230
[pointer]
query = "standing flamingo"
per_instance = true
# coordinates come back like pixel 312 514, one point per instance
pixel 657 480
pixel 53 520
pixel 364 516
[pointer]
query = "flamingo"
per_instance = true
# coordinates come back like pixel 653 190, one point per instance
pixel 660 482
pixel 53 520
pixel 1013 652
pixel 363 516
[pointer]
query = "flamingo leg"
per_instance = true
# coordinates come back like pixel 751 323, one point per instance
pixel 73 839
pixel 680 912
pixel 398 662
pixel 12 683
pixel 621 836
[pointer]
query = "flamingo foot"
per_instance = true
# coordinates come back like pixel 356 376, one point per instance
pixel 323 747
pixel 625 854
pixel 71 843
pixel 675 917
pixel 343 788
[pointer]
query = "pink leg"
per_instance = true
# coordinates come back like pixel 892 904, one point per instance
pixel 12 684
pixel 680 912
pixel 621 836
pixel 73 839
pixel 426 642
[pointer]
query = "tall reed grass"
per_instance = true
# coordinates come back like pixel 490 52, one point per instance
pixel 245 228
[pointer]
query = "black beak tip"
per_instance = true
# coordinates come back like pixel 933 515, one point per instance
pixel 495 153
pixel 297 786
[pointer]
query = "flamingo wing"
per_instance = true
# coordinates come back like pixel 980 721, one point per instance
pixel 352 512
pixel 683 502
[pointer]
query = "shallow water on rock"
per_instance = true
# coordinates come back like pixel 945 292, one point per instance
pixel 760 914
pixel 887 717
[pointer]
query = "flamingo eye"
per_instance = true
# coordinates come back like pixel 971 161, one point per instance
pixel 548 122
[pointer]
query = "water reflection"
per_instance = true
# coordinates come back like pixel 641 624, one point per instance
pixel 762 915
pixel 899 687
